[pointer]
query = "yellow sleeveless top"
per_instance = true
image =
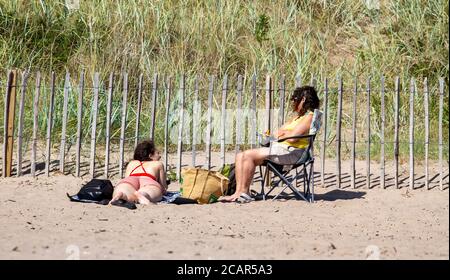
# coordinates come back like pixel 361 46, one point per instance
pixel 300 143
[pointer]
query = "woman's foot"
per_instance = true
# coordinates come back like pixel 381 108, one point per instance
pixel 142 199
pixel 117 196
pixel 237 197
pixel 229 198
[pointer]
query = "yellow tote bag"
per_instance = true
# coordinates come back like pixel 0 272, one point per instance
pixel 202 185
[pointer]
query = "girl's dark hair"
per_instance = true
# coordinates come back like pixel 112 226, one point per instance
pixel 144 150
pixel 311 99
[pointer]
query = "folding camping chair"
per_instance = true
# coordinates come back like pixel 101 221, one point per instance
pixel 305 163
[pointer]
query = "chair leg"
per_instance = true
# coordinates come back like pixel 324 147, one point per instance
pixel 263 181
pixel 307 195
pixel 288 184
pixel 305 177
pixel 274 185
pixel 311 181
pixel 305 180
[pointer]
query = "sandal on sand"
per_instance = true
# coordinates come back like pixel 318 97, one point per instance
pixel 124 203
pixel 244 198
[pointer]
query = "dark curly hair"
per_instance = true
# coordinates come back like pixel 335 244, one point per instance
pixel 311 102
pixel 144 150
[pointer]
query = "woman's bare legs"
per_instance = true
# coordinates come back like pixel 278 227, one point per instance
pixel 146 195
pixel 142 198
pixel 124 191
pixel 152 194
pixel 245 166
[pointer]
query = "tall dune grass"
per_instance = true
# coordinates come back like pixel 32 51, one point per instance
pixel 350 38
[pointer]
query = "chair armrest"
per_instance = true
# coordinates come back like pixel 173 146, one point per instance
pixel 309 136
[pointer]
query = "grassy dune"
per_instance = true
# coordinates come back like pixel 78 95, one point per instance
pixel 352 39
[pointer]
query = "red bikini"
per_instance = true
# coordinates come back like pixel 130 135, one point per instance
pixel 138 180
pixel 141 174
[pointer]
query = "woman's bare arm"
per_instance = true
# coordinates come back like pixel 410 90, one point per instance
pixel 162 176
pixel 302 128
pixel 281 132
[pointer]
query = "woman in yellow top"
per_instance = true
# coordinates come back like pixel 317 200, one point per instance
pixel 304 100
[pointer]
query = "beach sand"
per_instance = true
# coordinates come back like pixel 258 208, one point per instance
pixel 39 222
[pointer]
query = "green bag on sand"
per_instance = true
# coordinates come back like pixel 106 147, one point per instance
pixel 202 185
pixel 228 171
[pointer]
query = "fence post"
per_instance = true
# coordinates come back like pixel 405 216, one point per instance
pixel 62 148
pixel 382 163
pixel 50 123
pixel 79 124
pixel 138 110
pixel 368 135
pixel 269 103
pixel 238 116
pixel 208 126
pixel 411 134
pixel 324 138
pixel 124 120
pixel 353 166
pixel 313 81
pixel 269 116
pixel 223 126
pixel 396 132
pixel 94 124
pixel 338 133
pixel 441 112
pixel 298 81
pixel 154 101
pixel 9 115
pixel 166 123
pixel 108 122
pixel 195 121
pixel 427 131
pixel 35 123
pixel 23 89
pixel 253 113
pixel 282 99
pixel 180 128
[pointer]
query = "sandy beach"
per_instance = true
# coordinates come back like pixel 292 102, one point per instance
pixel 39 222
pixel 361 85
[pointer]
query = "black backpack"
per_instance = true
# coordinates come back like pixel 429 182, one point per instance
pixel 96 190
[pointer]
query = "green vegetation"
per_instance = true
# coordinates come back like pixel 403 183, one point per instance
pixel 354 39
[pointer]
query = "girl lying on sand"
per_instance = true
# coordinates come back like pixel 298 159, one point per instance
pixel 145 177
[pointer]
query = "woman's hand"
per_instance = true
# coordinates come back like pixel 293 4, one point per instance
pixel 301 128
pixel 280 133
